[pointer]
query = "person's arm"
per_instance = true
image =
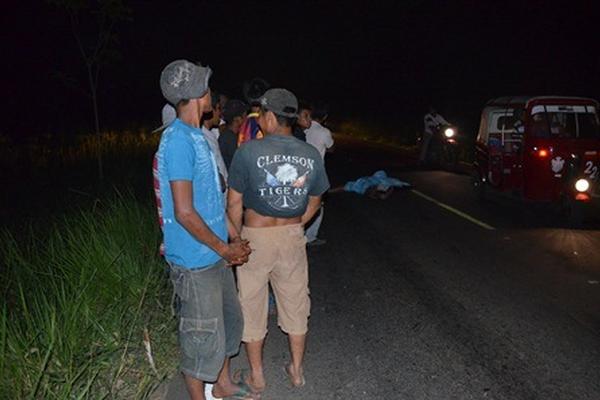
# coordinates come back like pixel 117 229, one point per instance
pixel 314 203
pixel 329 143
pixel 234 234
pixel 186 215
pixel 235 209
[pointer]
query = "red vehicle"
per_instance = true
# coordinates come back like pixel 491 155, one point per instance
pixel 544 149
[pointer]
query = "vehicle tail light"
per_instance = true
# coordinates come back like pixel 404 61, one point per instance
pixel 582 197
pixel 542 153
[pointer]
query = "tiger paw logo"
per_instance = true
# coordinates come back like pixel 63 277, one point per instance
pixel 285 183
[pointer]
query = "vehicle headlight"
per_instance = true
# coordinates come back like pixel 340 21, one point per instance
pixel 449 132
pixel 582 185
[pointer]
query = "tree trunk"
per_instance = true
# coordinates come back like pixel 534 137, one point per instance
pixel 96 122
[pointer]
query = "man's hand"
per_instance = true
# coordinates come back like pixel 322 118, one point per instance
pixel 237 252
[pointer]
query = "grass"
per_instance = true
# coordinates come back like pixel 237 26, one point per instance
pixel 82 283
pixel 77 297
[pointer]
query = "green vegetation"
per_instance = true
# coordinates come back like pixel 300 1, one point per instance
pixel 76 302
pixel 82 282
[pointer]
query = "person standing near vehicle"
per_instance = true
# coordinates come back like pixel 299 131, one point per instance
pixel 432 121
pixel 320 137
pixel 279 181
pixel 195 229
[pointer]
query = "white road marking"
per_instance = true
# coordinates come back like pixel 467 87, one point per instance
pixel 454 210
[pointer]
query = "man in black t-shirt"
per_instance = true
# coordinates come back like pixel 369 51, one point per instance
pixel 279 181
pixel 234 113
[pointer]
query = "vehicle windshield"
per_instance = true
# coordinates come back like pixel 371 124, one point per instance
pixel 565 122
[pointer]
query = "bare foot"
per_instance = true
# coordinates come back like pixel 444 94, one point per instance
pixel 296 376
pixel 246 392
pixel 255 381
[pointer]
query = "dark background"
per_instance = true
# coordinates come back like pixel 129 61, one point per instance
pixel 372 61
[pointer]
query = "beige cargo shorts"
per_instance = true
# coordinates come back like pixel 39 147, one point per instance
pixel 279 257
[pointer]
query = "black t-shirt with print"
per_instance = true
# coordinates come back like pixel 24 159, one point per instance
pixel 277 174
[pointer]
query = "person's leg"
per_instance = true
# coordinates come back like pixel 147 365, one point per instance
pixel 201 340
pixel 294 369
pixel 290 284
pixel 195 387
pixel 313 229
pixel 233 325
pixel 254 351
pixel 425 147
pixel 224 386
pixel 253 280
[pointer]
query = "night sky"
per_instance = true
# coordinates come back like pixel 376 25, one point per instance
pixel 370 60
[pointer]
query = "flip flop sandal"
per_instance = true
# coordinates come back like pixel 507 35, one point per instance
pixel 244 393
pixel 240 378
pixel 302 379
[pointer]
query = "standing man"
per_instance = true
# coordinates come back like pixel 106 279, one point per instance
pixel 431 121
pixel 279 181
pixel 250 129
pixel 195 229
pixel 303 121
pixel 234 112
pixel 320 137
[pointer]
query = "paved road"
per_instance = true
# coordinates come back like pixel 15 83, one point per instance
pixel 412 301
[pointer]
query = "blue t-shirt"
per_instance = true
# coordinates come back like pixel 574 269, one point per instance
pixel 184 154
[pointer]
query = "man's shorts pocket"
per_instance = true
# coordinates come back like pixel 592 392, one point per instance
pixel 198 337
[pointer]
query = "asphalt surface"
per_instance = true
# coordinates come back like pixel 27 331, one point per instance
pixel 412 301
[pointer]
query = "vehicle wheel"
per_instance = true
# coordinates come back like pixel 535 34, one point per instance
pixel 574 212
pixel 450 158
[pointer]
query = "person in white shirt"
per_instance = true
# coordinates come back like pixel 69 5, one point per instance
pixel 320 137
pixel 431 122
pixel 210 123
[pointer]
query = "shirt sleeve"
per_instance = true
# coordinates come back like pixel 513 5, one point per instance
pixel 238 172
pixel 179 159
pixel 328 138
pixel 320 182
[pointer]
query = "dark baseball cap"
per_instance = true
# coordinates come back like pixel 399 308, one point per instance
pixel 234 108
pixel 281 102
pixel 183 80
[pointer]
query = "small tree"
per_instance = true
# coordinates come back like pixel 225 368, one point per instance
pixel 93 24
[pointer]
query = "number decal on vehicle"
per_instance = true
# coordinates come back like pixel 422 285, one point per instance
pixel 591 170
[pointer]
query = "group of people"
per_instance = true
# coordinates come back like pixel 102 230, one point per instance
pixel 237 189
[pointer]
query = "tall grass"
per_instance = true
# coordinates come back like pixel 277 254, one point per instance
pixel 76 298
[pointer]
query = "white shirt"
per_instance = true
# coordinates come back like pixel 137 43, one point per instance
pixel 320 137
pixel 431 121
pixel 212 137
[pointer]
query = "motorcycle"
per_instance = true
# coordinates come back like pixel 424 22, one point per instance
pixel 442 150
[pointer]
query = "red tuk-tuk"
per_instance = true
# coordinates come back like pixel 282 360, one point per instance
pixel 544 149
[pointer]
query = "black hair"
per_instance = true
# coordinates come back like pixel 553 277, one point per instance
pixel 320 111
pixel 303 105
pixel 285 121
pixel 182 102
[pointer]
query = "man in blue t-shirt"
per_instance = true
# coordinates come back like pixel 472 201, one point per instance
pixel 279 181
pixel 196 231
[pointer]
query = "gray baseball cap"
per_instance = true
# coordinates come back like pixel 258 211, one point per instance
pixel 281 102
pixel 168 115
pixel 183 80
